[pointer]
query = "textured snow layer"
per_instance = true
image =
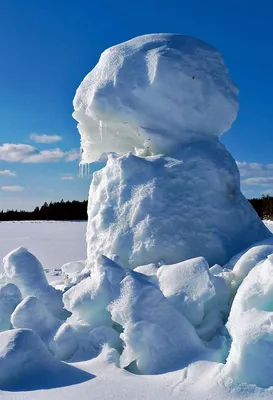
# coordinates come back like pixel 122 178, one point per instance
pixel 157 338
pixel 169 209
pixel 141 316
pixel 153 93
pixel 188 286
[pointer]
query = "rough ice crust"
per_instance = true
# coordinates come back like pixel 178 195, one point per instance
pixel 166 210
pixel 152 94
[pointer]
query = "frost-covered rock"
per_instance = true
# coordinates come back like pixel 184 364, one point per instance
pixel 165 99
pixel 250 325
pixel 10 296
pixel 156 336
pixel 24 270
pixel 32 314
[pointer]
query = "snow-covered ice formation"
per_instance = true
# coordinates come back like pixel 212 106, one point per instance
pixel 153 93
pixel 156 337
pixel 179 268
pixel 32 314
pixel 169 191
pixel 24 270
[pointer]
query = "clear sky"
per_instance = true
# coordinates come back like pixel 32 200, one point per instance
pixel 48 46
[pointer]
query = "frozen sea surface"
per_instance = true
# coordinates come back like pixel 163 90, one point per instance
pixel 54 243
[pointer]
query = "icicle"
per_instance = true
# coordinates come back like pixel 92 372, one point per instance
pixel 80 171
pixel 101 130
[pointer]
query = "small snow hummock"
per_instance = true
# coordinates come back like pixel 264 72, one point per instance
pixel 24 270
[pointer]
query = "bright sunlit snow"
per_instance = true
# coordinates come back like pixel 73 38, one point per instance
pixel 165 99
pixel 101 376
pixel 174 298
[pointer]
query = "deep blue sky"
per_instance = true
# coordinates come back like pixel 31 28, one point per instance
pixel 47 47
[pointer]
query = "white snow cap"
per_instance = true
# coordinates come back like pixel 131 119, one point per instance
pixel 152 93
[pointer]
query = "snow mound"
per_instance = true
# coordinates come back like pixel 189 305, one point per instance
pixel 24 270
pixel 10 296
pixel 151 94
pixel 157 338
pixel 250 325
pixel 159 209
pixel 31 313
pixel 25 364
pixel 88 300
pixel 201 297
pixel 188 286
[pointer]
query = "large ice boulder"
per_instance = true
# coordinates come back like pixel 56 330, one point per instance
pixel 170 189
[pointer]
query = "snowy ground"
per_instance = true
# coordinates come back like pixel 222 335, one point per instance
pixel 58 242
pixel 54 243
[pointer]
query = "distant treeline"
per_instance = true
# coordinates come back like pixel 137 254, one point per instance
pixel 263 206
pixel 59 211
pixel 77 210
